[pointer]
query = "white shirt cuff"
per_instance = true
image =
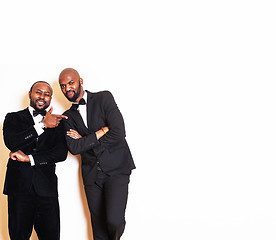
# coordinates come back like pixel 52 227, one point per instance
pixel 39 128
pixel 32 160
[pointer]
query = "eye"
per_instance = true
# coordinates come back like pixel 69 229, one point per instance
pixel 62 86
pixel 71 82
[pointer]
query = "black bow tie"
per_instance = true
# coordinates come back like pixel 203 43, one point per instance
pixel 35 113
pixel 75 106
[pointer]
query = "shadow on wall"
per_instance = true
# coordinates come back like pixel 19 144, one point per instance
pixel 59 97
pixel 4 155
pixel 85 208
pixel 4 152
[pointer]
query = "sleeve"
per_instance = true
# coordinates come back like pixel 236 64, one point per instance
pixel 78 146
pixel 115 122
pixel 15 138
pixel 31 160
pixel 57 153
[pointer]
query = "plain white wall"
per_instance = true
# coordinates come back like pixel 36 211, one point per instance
pixel 195 81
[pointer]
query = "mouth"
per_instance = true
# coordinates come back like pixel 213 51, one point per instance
pixel 40 103
pixel 70 93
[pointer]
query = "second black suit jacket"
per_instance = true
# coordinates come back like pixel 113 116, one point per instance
pixel 111 151
pixel 47 149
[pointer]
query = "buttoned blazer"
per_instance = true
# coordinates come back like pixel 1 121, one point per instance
pixel 46 149
pixel 111 151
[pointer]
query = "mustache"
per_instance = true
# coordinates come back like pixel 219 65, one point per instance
pixel 70 91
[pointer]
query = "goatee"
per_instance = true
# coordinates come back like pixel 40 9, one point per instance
pixel 76 94
pixel 33 104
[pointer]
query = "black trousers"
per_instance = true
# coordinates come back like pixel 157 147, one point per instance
pixel 107 199
pixel 31 210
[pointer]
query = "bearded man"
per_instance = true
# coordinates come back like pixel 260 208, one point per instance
pixel 95 129
pixel 36 141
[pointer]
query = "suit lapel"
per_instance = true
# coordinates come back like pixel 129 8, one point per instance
pixel 27 115
pixel 82 129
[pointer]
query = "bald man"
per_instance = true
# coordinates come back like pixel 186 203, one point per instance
pixel 36 141
pixel 95 129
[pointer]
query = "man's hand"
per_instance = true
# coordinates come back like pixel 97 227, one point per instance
pixel 73 134
pixel 19 156
pixel 52 120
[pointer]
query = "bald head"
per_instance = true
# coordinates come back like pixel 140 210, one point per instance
pixel 69 71
pixel 71 84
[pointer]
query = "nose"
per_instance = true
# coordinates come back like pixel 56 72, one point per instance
pixel 67 88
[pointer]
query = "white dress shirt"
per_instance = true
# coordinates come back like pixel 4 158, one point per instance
pixel 82 109
pixel 38 127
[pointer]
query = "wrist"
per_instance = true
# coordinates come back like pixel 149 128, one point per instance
pixel 104 130
pixel 99 134
pixel 27 158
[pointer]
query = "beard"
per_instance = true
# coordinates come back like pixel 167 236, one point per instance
pixel 76 94
pixel 33 104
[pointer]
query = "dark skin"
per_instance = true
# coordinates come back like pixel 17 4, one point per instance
pixel 71 86
pixel 40 99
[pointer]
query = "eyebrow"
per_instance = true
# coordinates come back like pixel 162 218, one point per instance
pixel 42 90
pixel 72 80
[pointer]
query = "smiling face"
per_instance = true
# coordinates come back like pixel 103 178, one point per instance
pixel 40 96
pixel 71 85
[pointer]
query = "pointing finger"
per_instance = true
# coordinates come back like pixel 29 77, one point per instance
pixel 60 116
pixel 63 116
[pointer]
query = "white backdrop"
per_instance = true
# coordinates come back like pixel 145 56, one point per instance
pixel 195 82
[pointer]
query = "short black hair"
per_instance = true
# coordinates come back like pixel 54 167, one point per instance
pixel 40 82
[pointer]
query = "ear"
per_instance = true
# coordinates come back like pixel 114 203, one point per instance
pixel 81 81
pixel 29 94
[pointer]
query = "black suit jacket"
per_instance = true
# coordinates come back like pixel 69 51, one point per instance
pixel 111 151
pixel 47 149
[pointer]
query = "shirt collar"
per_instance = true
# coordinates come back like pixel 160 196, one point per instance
pixel 31 110
pixel 84 97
